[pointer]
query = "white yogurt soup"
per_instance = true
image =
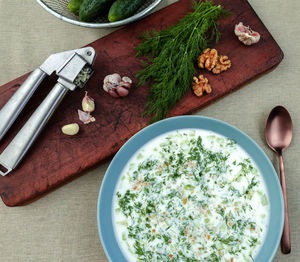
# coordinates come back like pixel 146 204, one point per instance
pixel 190 195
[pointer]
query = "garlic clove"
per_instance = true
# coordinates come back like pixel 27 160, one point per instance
pixel 246 35
pixel 88 104
pixel 125 84
pixel 122 91
pixel 126 79
pixel 113 93
pixel 70 129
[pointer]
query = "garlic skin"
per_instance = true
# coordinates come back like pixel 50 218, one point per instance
pixel 70 129
pixel 117 86
pixel 246 35
pixel 88 104
pixel 85 117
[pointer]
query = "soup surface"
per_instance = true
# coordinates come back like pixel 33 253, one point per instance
pixel 190 195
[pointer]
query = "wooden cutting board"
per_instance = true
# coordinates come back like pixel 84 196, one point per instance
pixel 55 158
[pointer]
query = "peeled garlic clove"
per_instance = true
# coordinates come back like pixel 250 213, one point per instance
pixel 88 104
pixel 70 129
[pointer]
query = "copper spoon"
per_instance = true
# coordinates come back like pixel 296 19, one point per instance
pixel 279 133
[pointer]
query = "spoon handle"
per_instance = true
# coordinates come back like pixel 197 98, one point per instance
pixel 285 240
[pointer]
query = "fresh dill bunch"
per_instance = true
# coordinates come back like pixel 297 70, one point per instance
pixel 171 53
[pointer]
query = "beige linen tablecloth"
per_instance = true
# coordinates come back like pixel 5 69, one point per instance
pixel 62 226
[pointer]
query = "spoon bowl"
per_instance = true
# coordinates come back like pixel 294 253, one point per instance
pixel 279 129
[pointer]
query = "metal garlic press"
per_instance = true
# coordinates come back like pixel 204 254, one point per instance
pixel 73 69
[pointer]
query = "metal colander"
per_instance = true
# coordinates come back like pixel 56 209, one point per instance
pixel 59 8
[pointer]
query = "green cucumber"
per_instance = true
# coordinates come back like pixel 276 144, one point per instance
pixel 74 6
pixel 122 9
pixel 91 9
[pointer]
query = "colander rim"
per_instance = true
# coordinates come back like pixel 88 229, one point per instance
pixel 100 25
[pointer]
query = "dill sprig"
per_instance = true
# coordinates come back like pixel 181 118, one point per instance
pixel 171 53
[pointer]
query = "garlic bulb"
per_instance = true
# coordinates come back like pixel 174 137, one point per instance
pixel 117 86
pixel 246 35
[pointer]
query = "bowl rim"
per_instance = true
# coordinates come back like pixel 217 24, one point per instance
pixel 101 25
pixel 105 208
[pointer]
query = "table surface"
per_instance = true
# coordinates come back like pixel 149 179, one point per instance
pixel 62 226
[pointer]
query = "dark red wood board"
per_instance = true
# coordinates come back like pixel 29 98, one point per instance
pixel 55 158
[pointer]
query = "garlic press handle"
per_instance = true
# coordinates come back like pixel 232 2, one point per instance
pixel 17 148
pixel 17 102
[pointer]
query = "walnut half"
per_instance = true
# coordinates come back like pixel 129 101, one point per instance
pixel 208 59
pixel 222 64
pixel 200 85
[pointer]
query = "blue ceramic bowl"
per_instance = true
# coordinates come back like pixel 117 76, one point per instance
pixel 104 212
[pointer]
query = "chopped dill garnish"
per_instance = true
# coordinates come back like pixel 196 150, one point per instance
pixel 172 53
